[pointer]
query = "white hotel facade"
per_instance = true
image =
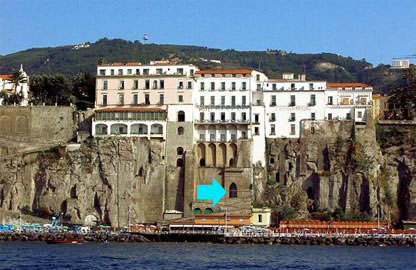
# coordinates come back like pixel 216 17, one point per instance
pixel 222 105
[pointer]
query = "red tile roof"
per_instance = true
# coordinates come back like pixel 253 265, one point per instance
pixel 133 64
pixel 224 71
pixel 5 76
pixel 347 85
pixel 130 109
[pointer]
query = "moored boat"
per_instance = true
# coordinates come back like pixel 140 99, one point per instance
pixel 65 241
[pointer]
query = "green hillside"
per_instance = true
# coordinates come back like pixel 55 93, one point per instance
pixel 323 66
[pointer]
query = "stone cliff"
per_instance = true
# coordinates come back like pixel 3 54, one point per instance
pixel 108 180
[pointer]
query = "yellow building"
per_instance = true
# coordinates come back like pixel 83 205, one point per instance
pixel 261 216
pixel 376 106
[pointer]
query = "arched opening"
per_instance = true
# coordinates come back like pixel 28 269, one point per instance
pixel 101 129
pixel 290 166
pixel 197 211
pixel 181 116
pixel 5 124
pixel 179 151
pixel 73 192
pixel 309 191
pixel 232 162
pixel 233 154
pixel 140 129
pixel 212 154
pixel 179 162
pixel 118 129
pixel 156 129
pixel 181 130
pixel 233 191
pixel 208 211
pixel 271 160
pixel 201 154
pixel 277 177
pixel 222 155
pixel 21 124
pixel 140 172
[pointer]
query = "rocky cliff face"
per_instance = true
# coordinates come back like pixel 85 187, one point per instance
pixel 108 180
pixel 336 166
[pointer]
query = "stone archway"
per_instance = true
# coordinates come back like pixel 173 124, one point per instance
pixel 5 124
pixel 91 220
pixel 22 124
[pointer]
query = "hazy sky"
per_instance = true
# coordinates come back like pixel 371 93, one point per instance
pixel 377 30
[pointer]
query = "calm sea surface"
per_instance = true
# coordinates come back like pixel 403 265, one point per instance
pixel 201 256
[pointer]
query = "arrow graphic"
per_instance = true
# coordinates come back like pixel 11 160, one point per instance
pixel 212 192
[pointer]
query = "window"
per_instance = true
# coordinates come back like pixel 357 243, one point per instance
pixel 258 86
pixel 313 116
pixel 348 116
pixel 120 72
pixel 243 100
pixel 135 99
pixel 313 100
pixel 233 116
pixel 244 86
pixel 222 100
pixel 292 100
pixel 256 131
pixel 154 84
pixel 121 99
pixel 180 85
pixel 136 84
pixel 179 151
pixel 201 101
pixel 147 99
pixel 311 86
pixel 273 103
pixel 223 86
pixel 212 100
pixel 191 72
pixel 201 116
pixel 129 71
pixel 137 71
pixel 179 163
pixel 161 99
pixel 105 85
pixel 162 84
pixel 146 71
pixel 330 100
pixel 292 129
pixel 243 116
pixel 181 116
pixel 274 86
pixel 292 117
pixel 189 85
pixel 260 218
pixel 212 117
pixel 102 72
pixel 292 86
pixel 147 84
pixel 272 117
pixel 159 71
pixel 202 138
pixel 329 116
pixel 112 72
pixel 272 130
pixel 256 118
pixel 244 135
pixel 202 86
pixel 258 77
pixel 121 85
pixel 233 190
pixel 180 98
pixel 233 86
pixel 180 71
pixel 360 114
pixel 233 101
pixel 212 85
pixel 223 116
pixel 104 100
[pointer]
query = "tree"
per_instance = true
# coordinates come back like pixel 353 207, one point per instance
pixel 404 95
pixel 50 89
pixel 17 78
pixel 83 90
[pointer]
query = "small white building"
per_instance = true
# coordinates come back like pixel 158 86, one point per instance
pixel 8 87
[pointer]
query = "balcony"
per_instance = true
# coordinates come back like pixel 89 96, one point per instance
pixel 226 121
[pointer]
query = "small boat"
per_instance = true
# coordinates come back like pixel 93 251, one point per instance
pixel 65 241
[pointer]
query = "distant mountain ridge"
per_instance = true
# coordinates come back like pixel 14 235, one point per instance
pixel 72 59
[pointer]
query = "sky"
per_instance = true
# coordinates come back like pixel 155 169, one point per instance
pixel 376 30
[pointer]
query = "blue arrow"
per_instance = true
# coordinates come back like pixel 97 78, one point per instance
pixel 212 192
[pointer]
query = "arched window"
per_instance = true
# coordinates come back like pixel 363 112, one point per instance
pixel 180 130
pixel 140 172
pixel 197 211
pixel 179 151
pixel 232 162
pixel 179 162
pixel 233 190
pixel 271 160
pixel 202 162
pixel 181 116
pixel 208 211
